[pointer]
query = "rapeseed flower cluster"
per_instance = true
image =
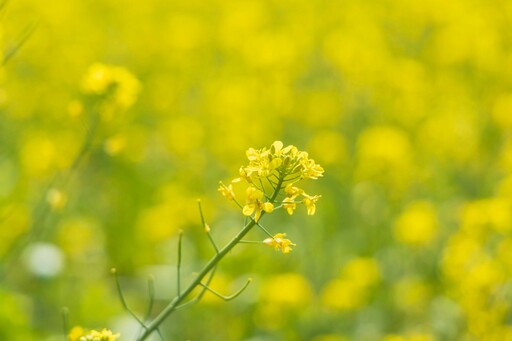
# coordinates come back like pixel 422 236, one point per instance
pixel 276 169
pixel 271 177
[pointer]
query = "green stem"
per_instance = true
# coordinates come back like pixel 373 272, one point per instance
pixel 197 281
pixel 171 307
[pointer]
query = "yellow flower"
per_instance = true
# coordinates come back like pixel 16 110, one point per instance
pixel 56 198
pixel 227 191
pixel 292 191
pixel 310 170
pixel 290 205
pixel 310 202
pixel 278 242
pixel 80 334
pixel 113 81
pixel 255 204
pixel 417 225
pixel 76 333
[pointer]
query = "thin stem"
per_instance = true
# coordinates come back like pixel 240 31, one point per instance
pixel 9 53
pixel 65 322
pixel 225 297
pixel 206 269
pixel 151 295
pixel 206 227
pixel 123 301
pixel 208 282
pixel 265 230
pixel 178 266
pixel 171 307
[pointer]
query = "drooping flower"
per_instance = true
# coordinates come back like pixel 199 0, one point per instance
pixel 289 204
pixel 310 202
pixel 278 242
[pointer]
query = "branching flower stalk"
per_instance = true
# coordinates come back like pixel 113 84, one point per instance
pixel 270 177
pixel 106 89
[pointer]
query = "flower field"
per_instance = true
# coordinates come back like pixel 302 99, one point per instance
pixel 119 119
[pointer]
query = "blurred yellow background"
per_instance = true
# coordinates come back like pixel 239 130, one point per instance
pixel 407 105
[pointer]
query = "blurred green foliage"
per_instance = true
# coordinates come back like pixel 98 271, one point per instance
pixel 407 106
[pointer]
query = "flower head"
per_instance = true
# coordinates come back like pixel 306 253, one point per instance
pixel 280 161
pixel 278 242
pixel 273 172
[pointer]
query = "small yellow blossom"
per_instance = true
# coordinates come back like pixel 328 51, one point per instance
pixel 310 202
pixel 255 204
pixel 80 334
pixel 310 170
pixel 290 205
pixel 278 242
pixel 227 191
pixel 292 191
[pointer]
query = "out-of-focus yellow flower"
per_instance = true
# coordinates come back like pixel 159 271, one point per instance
pixel 480 216
pixel 287 290
pixel 329 147
pixel 451 135
pixel 417 225
pixel 363 271
pixel 56 199
pixel 115 82
pixel 278 242
pixel 342 294
pixel 412 294
pixel 79 238
pixel 38 154
pixel 501 111
pixel 460 252
pixel 75 108
pixel 80 334
pixel 255 204
pixel 114 144
pixel 385 154
pixel 153 222
pixel 352 289
pixel 18 219
pixel 76 333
